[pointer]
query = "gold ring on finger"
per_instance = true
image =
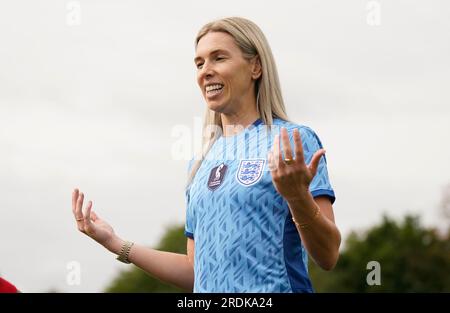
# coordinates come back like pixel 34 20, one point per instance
pixel 288 161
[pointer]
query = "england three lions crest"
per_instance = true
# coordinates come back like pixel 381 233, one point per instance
pixel 250 171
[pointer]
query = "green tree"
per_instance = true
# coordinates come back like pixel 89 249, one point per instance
pixel 136 280
pixel 411 258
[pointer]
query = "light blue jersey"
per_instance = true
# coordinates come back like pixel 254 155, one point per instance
pixel 245 239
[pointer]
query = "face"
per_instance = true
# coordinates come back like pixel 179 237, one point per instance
pixel 224 76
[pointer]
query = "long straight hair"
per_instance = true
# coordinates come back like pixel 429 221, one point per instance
pixel 269 101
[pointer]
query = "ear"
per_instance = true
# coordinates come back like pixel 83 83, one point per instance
pixel 256 67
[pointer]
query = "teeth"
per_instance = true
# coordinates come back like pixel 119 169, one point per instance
pixel 213 87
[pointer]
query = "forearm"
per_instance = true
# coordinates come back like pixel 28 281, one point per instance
pixel 172 268
pixel 321 237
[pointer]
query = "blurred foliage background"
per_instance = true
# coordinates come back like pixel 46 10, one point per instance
pixel 136 280
pixel 412 258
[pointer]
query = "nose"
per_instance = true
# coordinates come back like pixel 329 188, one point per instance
pixel 206 72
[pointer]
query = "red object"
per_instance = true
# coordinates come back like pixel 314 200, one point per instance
pixel 7 287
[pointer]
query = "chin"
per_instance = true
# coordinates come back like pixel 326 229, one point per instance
pixel 218 107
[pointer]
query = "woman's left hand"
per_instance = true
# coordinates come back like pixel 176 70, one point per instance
pixel 291 176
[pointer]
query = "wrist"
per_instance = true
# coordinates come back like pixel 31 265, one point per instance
pixel 304 210
pixel 125 252
pixel 114 245
pixel 301 199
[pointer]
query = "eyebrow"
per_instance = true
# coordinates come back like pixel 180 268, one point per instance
pixel 217 51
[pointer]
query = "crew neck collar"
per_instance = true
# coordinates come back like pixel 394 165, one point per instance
pixel 251 126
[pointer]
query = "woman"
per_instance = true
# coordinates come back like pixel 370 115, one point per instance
pixel 258 197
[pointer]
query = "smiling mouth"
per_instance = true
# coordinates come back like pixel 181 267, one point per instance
pixel 213 90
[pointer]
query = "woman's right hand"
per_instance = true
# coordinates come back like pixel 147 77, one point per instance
pixel 90 224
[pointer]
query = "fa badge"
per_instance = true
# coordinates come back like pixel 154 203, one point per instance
pixel 250 171
pixel 216 176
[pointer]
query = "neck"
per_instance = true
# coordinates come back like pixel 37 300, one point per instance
pixel 233 124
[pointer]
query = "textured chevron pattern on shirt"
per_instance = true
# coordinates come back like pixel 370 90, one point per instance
pixel 245 240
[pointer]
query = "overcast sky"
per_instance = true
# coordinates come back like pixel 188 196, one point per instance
pixel 94 105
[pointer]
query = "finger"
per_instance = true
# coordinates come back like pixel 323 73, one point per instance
pixel 78 211
pixel 276 151
pixel 87 215
pixel 94 216
pixel 271 162
pixel 286 144
pixel 314 164
pixel 298 147
pixel 74 200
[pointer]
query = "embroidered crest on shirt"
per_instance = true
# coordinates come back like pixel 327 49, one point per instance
pixel 250 171
pixel 216 176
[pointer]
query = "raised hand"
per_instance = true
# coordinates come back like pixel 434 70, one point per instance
pixel 292 177
pixel 89 223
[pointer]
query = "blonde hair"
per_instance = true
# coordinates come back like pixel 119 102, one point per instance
pixel 269 101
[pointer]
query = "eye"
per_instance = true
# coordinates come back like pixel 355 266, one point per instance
pixel 199 65
pixel 219 58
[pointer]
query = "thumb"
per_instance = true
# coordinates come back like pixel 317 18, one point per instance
pixel 94 216
pixel 314 164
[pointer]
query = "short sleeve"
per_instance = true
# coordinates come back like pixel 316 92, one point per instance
pixel 320 185
pixel 190 214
